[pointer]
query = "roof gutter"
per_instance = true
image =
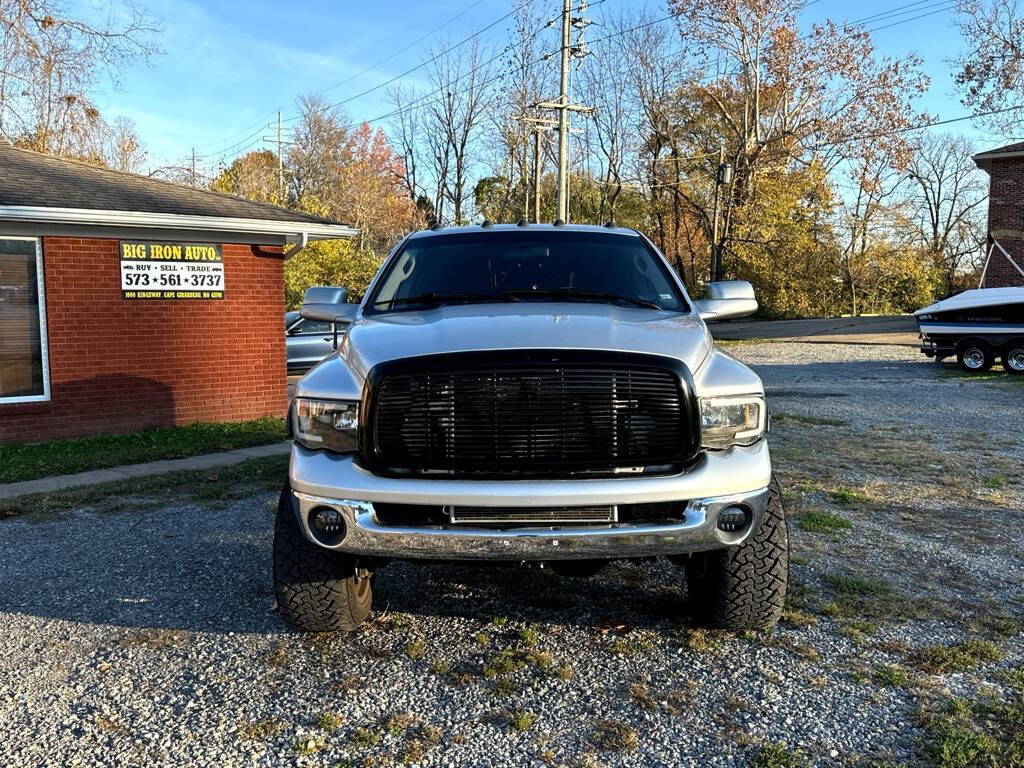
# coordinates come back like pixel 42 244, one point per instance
pixel 297 231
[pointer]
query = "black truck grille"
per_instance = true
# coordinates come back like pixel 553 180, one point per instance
pixel 464 414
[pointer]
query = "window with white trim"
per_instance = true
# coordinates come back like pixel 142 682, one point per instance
pixel 24 371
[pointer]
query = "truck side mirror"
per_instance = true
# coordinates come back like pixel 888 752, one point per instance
pixel 727 299
pixel 328 304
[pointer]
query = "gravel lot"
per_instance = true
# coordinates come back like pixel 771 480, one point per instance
pixel 144 634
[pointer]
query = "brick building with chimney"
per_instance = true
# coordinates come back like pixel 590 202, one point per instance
pixel 1005 248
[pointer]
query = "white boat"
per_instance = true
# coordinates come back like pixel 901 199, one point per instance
pixel 978 326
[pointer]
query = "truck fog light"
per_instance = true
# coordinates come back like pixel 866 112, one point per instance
pixel 327 522
pixel 732 519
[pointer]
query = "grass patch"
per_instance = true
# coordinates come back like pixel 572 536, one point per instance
pixel 261 730
pixel 848 497
pixel 993 481
pixel 309 745
pixel 775 755
pixel 985 732
pixel 889 675
pixel 521 720
pixel 960 657
pixel 399 722
pixel 31 462
pixel 415 649
pixel 329 721
pixel 364 737
pixel 796 418
pixel 855 597
pixel 144 493
pixel 819 521
pixel 614 735
pixel 640 694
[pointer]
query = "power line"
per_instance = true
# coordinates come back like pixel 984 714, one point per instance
pixel 432 59
pixel 231 147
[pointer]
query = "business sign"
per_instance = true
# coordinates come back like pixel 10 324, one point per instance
pixel 157 270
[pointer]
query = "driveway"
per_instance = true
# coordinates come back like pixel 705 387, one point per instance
pixel 139 629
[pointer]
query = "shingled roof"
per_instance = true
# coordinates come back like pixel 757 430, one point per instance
pixel 984 159
pixel 33 179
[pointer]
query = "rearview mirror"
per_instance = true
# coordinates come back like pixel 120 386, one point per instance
pixel 727 299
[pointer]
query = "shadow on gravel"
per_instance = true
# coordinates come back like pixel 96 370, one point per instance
pixel 205 569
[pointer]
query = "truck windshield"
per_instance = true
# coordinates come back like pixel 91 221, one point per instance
pixel 487 267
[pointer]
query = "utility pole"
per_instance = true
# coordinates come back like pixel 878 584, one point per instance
pixel 280 156
pixel 723 176
pixel 563 106
pixel 537 126
pixel 193 166
pixel 280 161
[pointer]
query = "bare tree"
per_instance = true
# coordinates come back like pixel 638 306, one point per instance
pixel 49 67
pixel 948 194
pixel 406 129
pixel 991 72
pixel 321 144
pixel 453 121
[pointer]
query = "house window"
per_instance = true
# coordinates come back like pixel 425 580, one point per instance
pixel 24 372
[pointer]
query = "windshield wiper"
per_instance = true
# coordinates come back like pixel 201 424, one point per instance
pixel 566 292
pixel 433 298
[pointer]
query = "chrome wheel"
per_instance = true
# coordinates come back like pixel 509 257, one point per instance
pixel 1014 359
pixel 974 358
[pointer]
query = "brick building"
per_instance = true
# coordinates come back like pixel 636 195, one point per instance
pixel 128 302
pixel 1005 167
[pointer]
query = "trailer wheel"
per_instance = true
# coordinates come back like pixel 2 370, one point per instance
pixel 974 356
pixel 1013 357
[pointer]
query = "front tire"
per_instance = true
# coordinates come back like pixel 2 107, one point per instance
pixel 743 587
pixel 974 356
pixel 317 590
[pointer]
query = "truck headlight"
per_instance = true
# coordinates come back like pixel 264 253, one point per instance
pixel 330 424
pixel 727 421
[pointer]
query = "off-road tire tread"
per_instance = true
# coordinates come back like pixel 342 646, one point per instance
pixel 744 587
pixel 315 588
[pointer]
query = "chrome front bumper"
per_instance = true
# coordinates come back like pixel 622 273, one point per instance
pixel 739 476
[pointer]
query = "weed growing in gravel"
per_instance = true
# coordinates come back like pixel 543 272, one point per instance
pixel 640 694
pixel 564 672
pixel 278 656
pixel 528 636
pixel 614 735
pixel 983 732
pixel 481 638
pixel 329 721
pixel 504 686
pixel 993 481
pixel 848 497
pixel 398 722
pixel 503 662
pixel 364 737
pixel 858 597
pixel 889 675
pixel 157 639
pixel 799 619
pixel 415 649
pixel 819 521
pixel 960 657
pixel 521 720
pixel 261 730
pixel 499 621
pixel 309 745
pixel 702 640
pixel 440 667
pixel 997 624
pixel 775 755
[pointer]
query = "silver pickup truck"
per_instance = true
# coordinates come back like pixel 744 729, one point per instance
pixel 530 393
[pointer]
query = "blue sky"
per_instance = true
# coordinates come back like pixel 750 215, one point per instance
pixel 229 65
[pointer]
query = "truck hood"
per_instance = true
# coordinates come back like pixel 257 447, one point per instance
pixel 526 325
